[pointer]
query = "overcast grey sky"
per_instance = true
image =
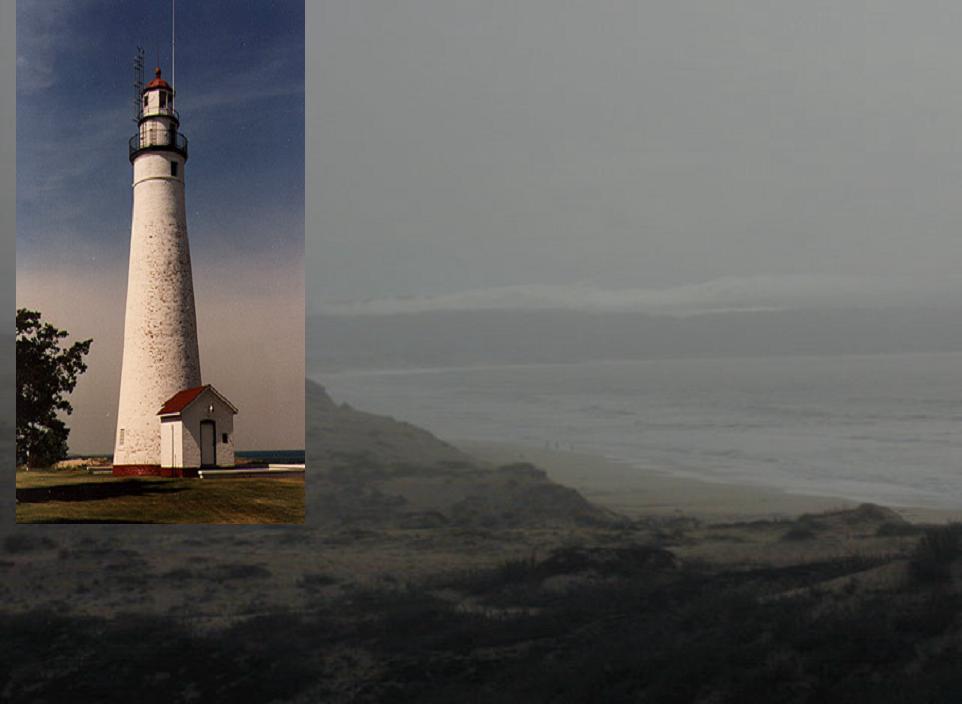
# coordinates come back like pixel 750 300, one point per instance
pixel 814 149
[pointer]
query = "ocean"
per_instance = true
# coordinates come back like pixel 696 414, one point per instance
pixel 884 428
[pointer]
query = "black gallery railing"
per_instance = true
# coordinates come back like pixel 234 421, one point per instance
pixel 159 140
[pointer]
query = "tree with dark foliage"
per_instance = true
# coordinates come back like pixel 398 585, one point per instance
pixel 46 372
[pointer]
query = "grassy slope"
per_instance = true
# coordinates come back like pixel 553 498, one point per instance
pixel 80 497
pixel 373 471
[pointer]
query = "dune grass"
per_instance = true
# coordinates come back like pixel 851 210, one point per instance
pixel 79 497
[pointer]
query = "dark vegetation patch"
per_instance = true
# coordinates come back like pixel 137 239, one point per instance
pixel 21 542
pixel 618 561
pixel 423 520
pixel 651 630
pixel 217 573
pixel 797 533
pixel 179 574
pixel 314 581
pixel 939 548
pixel 48 657
pixel 871 513
pixel 687 636
pixel 237 570
pixel 293 536
pixel 898 529
pixel 659 633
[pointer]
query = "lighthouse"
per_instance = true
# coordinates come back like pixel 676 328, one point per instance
pixel 161 361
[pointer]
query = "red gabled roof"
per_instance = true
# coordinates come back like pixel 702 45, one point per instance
pixel 180 400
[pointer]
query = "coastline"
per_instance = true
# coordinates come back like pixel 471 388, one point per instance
pixel 637 492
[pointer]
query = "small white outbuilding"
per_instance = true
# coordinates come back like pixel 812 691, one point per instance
pixel 197 429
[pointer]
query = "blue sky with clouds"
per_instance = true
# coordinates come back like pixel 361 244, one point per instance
pixel 240 95
pixel 240 92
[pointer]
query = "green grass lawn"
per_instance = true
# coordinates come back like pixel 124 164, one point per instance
pixel 78 497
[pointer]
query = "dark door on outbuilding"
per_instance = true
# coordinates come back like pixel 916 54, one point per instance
pixel 208 443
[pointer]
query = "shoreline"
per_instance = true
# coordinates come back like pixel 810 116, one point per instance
pixel 637 492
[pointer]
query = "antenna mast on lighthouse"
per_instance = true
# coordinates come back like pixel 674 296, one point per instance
pixel 173 45
pixel 138 82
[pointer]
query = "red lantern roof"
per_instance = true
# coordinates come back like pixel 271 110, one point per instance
pixel 158 82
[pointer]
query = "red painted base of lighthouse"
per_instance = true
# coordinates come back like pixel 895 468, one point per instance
pixel 153 470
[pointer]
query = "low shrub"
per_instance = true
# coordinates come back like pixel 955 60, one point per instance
pixel 937 549
pixel 798 533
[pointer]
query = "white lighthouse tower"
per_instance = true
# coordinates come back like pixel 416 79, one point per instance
pixel 167 422
pixel 160 327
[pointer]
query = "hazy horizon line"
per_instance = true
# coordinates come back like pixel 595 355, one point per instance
pixel 764 293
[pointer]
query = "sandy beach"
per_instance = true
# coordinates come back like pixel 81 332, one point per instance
pixel 636 492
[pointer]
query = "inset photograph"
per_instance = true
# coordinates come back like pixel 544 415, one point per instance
pixel 160 264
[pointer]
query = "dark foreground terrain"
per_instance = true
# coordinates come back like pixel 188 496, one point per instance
pixel 629 621
pixel 423 577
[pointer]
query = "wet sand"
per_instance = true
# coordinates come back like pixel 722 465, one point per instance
pixel 637 492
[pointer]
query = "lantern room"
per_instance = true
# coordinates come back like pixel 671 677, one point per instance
pixel 158 98
pixel 158 122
